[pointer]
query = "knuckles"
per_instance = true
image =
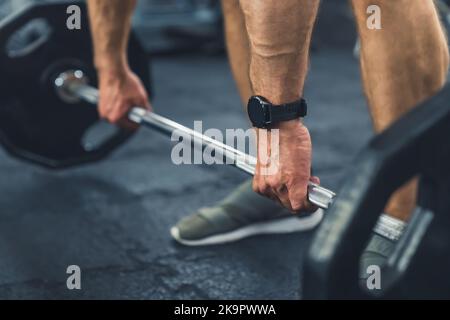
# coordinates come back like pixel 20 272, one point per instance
pixel 274 183
pixel 255 186
pixel 297 206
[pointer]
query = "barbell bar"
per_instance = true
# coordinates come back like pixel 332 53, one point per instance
pixel 73 86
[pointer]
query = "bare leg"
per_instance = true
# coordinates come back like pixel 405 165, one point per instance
pixel 238 47
pixel 402 64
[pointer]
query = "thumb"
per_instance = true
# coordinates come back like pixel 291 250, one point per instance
pixel 315 180
pixel 145 103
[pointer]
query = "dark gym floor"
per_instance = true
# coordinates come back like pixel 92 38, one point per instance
pixel 112 218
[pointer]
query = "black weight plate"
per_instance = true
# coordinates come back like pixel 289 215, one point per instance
pixel 35 124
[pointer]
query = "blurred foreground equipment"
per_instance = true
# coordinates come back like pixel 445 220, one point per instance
pixel 417 145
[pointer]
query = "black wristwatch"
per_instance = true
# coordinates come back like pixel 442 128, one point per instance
pixel 264 114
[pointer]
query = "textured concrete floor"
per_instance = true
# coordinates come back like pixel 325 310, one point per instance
pixel 112 218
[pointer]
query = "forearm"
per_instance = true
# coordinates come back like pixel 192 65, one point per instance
pixel 110 24
pixel 280 37
pixel 237 47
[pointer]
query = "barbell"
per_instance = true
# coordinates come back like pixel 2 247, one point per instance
pixel 73 85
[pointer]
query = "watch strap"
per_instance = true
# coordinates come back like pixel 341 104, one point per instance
pixel 288 111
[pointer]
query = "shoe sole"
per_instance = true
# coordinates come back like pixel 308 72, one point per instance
pixel 281 226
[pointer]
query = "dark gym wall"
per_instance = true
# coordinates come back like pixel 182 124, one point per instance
pixel 334 26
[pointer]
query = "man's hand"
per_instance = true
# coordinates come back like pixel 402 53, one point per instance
pixel 119 92
pixel 120 89
pixel 283 170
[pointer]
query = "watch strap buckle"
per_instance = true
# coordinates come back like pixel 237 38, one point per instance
pixel 267 114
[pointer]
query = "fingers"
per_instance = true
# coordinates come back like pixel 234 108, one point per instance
pixel 283 197
pixel 299 197
pixel 269 187
pixel 121 116
pixel 117 98
pixel 123 119
pixel 117 113
pixel 315 180
pixel 300 202
pixel 294 199
pixel 113 111
pixel 143 100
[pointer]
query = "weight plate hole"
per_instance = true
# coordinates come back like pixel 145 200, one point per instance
pixel 28 38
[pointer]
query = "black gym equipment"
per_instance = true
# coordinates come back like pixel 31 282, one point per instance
pixel 417 145
pixel 35 46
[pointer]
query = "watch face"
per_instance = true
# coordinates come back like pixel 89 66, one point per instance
pixel 256 112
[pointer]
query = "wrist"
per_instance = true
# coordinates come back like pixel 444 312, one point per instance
pixel 112 66
pixel 113 75
pixel 265 114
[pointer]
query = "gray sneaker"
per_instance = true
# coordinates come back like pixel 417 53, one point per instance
pixel 240 215
pixel 379 249
pixel 377 253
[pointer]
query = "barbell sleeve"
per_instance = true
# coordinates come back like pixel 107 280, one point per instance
pixel 73 85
